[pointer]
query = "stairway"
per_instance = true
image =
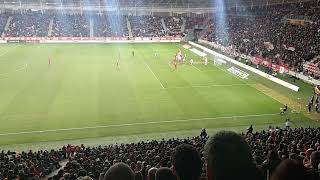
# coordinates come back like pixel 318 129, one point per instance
pixel 7 26
pixel 183 26
pixel 50 28
pixel 91 27
pixel 129 28
pixel 164 25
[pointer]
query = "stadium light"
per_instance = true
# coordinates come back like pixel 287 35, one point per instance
pixel 114 17
pixel 220 21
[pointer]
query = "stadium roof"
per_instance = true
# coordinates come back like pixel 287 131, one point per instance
pixel 145 3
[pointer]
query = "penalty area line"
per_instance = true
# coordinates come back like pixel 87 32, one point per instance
pixel 4 75
pixel 139 123
pixel 196 67
pixel 6 50
pixel 154 74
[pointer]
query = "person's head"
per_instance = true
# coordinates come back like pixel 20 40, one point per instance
pixel 273 156
pixel 119 171
pixel 289 170
pixel 229 157
pixel 152 173
pixel 138 175
pixel 165 173
pixel 82 173
pixel 315 159
pixel 186 162
pixel 66 176
pixel 85 178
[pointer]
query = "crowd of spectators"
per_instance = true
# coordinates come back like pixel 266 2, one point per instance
pixel 173 25
pixel 265 32
pixel 146 26
pixel 291 154
pixel 3 21
pixel 28 24
pixel 70 25
pixel 110 26
pixel 195 22
pixel 29 165
pixel 309 9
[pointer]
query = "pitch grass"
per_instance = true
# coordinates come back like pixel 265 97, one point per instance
pixel 82 94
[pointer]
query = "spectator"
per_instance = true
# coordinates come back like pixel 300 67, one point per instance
pixel 203 134
pixel 289 170
pixel 119 171
pixel 138 175
pixel 165 173
pixel 229 157
pixel 186 162
pixel 315 160
pixel 152 173
pixel 271 162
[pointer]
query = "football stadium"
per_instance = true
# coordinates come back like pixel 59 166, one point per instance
pixel 160 89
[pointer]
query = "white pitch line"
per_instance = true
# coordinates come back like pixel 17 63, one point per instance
pixel 153 74
pixel 134 124
pixel 6 51
pixel 2 54
pixel 19 69
pixel 212 70
pixel 196 67
pixel 208 86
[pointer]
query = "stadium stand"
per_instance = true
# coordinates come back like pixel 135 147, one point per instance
pixel 265 150
pixel 110 26
pixel 28 24
pixel 147 26
pixel 70 26
pixel 173 25
pixel 3 21
pixel 269 36
pixel 29 165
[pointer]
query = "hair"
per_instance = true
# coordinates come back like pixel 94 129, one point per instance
pixel 119 171
pixel 138 175
pixel 186 161
pixel 289 170
pixel 165 173
pixel 229 157
pixel 152 173
pixel 315 159
pixel 86 178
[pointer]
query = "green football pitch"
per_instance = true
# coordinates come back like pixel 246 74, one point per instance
pixel 83 94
